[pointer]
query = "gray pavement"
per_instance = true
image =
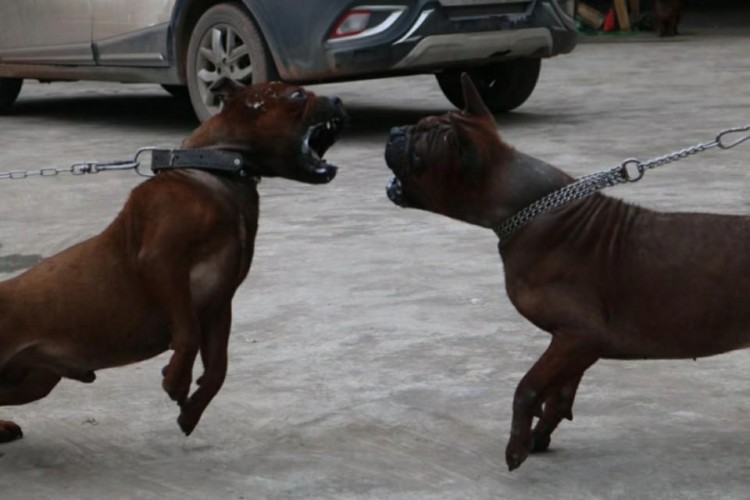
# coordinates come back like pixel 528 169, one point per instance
pixel 374 352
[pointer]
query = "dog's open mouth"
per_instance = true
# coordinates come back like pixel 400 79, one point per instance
pixel 316 141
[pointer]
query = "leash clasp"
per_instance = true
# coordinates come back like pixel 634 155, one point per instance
pixel 85 167
pixel 720 139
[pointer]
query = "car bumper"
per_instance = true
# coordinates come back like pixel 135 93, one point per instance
pixel 436 38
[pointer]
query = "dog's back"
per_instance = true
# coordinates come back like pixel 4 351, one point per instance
pixel 674 284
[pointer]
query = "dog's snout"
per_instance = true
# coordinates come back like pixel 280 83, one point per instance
pixel 396 149
pixel 335 104
pixel 398 138
pixel 398 131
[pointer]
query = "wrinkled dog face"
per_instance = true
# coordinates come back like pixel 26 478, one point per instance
pixel 444 164
pixel 283 130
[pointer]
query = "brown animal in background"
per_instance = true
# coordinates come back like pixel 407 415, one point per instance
pixel 667 16
pixel 163 274
pixel 605 278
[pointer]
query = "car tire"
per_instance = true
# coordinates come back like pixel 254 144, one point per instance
pixel 9 89
pixel 224 43
pixel 503 86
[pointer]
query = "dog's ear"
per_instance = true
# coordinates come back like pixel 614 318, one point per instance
pixel 224 88
pixel 471 156
pixel 473 103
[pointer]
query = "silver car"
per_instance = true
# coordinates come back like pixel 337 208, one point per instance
pixel 187 45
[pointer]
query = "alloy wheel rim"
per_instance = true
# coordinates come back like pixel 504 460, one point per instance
pixel 222 53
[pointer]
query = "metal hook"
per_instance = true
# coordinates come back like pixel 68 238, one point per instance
pixel 138 168
pixel 720 137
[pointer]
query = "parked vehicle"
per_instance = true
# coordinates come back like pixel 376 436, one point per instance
pixel 190 44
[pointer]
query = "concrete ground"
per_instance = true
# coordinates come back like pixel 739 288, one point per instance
pixel 374 352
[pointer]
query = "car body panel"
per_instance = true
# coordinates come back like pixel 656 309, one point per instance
pixel 46 32
pixel 132 33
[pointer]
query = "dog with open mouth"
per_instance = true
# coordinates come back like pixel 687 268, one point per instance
pixel 605 278
pixel 163 274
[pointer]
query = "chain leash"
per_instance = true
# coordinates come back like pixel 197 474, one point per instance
pixel 84 167
pixel 630 170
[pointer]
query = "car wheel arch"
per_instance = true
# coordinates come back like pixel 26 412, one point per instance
pixel 185 16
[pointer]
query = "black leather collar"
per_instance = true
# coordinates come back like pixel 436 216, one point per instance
pixel 215 160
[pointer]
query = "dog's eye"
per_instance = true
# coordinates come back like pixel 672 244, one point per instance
pixel 297 95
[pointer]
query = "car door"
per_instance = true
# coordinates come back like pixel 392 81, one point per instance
pixel 132 32
pixel 46 32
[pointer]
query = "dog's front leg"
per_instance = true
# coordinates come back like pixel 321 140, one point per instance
pixel 214 356
pixel 169 283
pixel 563 360
pixel 558 404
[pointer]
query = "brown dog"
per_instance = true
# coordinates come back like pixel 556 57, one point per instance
pixel 163 274
pixel 605 278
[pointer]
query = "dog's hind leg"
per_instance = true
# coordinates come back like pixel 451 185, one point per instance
pixel 558 404
pixel 564 359
pixel 214 355
pixel 19 388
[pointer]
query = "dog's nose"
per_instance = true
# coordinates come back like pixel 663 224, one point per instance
pixel 397 139
pixel 397 131
pixel 337 105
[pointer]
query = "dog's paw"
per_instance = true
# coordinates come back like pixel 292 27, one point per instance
pixel 85 377
pixel 188 418
pixel 515 454
pixel 9 431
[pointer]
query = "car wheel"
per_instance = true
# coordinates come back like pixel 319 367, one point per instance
pixel 9 89
pixel 503 86
pixel 224 43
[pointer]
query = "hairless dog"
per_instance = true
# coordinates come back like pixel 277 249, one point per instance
pixel 605 278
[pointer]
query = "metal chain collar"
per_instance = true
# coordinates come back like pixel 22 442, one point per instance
pixel 630 170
